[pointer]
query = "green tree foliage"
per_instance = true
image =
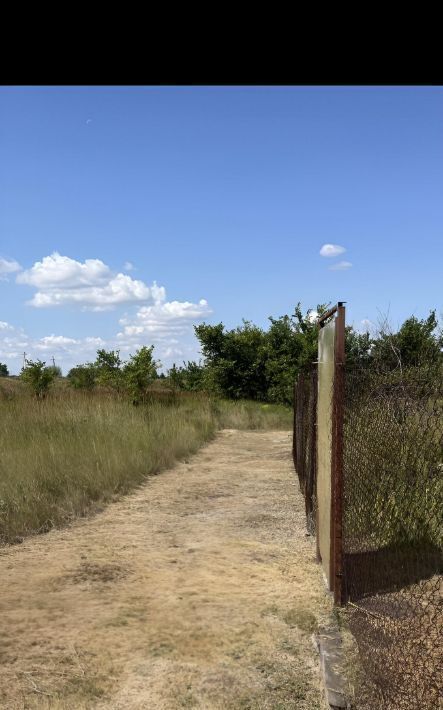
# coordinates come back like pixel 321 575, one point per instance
pixel 358 346
pixel 251 363
pixel 82 376
pixel 108 370
pixel 190 377
pixel 4 372
pixel 56 370
pixel 139 372
pixel 416 343
pixel 38 377
pixel 235 360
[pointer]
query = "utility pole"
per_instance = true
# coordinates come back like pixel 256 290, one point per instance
pixel 53 361
pixel 24 360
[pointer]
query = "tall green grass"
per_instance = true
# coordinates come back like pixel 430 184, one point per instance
pixel 64 455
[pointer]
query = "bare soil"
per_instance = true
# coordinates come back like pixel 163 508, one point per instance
pixel 198 590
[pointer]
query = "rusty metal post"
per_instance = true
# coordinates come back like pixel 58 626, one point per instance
pixel 337 460
pixel 294 435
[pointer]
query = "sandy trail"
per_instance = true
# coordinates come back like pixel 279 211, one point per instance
pixel 199 590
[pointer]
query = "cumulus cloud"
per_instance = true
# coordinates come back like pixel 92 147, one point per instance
pixel 330 250
pixel 57 270
pixel 8 266
pixel 158 330
pixel 164 319
pixel 91 284
pixel 128 266
pixel 67 351
pixel 340 266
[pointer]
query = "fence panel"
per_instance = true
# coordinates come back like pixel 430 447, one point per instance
pixel 393 533
pixel 390 523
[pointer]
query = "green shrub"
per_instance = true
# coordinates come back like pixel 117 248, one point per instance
pixel 38 377
pixel 82 377
pixel 139 373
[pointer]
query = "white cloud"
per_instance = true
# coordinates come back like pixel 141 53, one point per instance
pixel 91 285
pixel 340 266
pixel 330 250
pixel 128 266
pixel 8 266
pixel 312 316
pixel 5 326
pixel 61 271
pixel 95 342
pixel 67 351
pixel 57 341
pixel 164 319
pixel 171 352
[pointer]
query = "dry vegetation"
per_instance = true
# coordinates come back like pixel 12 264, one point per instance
pixel 198 590
pixel 71 452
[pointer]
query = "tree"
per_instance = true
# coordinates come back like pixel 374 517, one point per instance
pixel 56 370
pixel 82 376
pixel 38 377
pixel 108 369
pixel 291 348
pixel 416 343
pixel 252 363
pixel 235 360
pixel 4 372
pixel 190 377
pixel 139 372
pixel 358 347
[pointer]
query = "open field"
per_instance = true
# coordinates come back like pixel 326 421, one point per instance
pixel 198 590
pixel 74 452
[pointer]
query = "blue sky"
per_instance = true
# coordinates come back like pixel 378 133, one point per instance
pixel 223 198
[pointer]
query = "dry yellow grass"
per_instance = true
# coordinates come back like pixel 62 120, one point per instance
pixel 198 590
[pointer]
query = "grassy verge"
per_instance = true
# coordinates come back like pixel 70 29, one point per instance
pixel 62 456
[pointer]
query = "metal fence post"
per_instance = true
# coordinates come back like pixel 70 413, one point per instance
pixel 294 430
pixel 337 460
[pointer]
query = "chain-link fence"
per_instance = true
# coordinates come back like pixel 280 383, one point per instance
pixel 393 533
pixel 392 528
pixel 304 441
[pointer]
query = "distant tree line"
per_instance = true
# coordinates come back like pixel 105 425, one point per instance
pixel 248 362
pixel 132 377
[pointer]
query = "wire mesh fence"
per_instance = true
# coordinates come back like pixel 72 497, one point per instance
pixel 393 533
pixel 304 441
pixel 392 528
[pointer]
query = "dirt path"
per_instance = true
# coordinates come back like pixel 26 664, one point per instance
pixel 199 590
